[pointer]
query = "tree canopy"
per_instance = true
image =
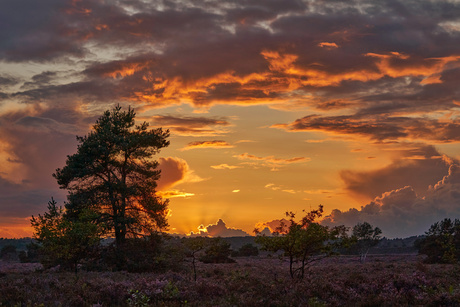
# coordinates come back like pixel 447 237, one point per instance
pixel 113 174
pixel 365 236
pixel 65 242
pixel 304 241
pixel 442 242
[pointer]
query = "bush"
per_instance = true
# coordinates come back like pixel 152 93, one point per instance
pixel 246 251
pixel 442 242
pixel 154 253
pixel 9 253
pixel 218 251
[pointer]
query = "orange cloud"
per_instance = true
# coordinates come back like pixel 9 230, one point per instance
pixel 274 225
pixel 207 144
pixel 297 76
pixel 225 166
pixel 127 69
pixel 272 159
pixel 174 194
pixel 76 8
pixel 328 45
pixel 274 187
pixel 283 77
pixel 320 191
pixel 397 65
pixel 279 62
pixel 173 172
pixel 101 27
pixel 418 167
pixel 379 128
pixel 193 126
pixel 219 229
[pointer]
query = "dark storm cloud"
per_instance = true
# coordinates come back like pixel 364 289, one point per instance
pixel 38 31
pixel 90 91
pixel 19 200
pixel 36 147
pixel 40 80
pixel 41 145
pixel 388 57
pixel 6 81
pixel 172 46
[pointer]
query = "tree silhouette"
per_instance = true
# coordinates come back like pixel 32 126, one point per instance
pixel 442 242
pixel 114 175
pixel 365 236
pixel 304 241
pixel 193 247
pixel 65 242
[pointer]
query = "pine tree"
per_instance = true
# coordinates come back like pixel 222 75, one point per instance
pixel 113 173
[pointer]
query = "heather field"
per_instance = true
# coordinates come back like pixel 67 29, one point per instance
pixel 401 280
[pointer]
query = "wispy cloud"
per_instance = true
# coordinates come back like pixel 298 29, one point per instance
pixel 328 45
pixel 225 166
pixel 275 187
pixel 174 194
pixel 271 161
pixel 192 126
pixel 381 128
pixel 216 144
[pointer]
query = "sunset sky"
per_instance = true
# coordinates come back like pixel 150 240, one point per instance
pixel 272 105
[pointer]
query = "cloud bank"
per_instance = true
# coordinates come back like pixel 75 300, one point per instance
pixel 219 229
pixel 402 212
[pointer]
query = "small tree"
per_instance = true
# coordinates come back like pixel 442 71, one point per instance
pixel 365 237
pixel 64 241
pixel 304 241
pixel 32 254
pixel 217 251
pixel 194 246
pixel 442 242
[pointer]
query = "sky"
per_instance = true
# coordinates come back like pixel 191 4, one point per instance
pixel 272 106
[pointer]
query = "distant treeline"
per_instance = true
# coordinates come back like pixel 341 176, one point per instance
pixel 20 244
pixel 385 246
pixel 395 246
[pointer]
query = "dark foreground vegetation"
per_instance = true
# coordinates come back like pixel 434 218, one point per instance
pixel 250 281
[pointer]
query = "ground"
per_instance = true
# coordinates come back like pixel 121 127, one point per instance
pixel 253 281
